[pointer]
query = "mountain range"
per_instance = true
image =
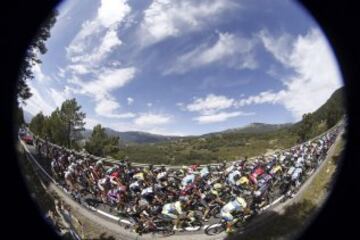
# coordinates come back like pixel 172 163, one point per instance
pixel 145 137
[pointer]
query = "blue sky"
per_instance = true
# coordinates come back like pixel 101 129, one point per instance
pixel 185 67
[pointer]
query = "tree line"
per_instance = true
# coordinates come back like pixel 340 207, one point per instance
pixel 64 127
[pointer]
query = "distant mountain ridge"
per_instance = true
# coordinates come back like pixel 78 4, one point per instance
pixel 145 137
pixel 334 103
pixel 257 127
pixel 133 136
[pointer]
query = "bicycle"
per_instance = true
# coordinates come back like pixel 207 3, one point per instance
pixel 221 226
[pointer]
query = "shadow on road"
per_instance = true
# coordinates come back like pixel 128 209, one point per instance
pixel 279 226
pixel 103 237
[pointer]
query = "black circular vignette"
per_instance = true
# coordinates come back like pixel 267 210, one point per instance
pixel 19 21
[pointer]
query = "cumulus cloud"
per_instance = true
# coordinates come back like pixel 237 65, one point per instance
pixel 211 109
pixel 211 104
pixel 108 107
pixel 170 18
pixel 315 72
pixel 149 119
pixel 219 117
pixel 113 11
pixel 229 49
pixel 101 88
pixel 87 51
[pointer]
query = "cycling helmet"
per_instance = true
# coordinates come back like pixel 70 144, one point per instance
pixel 243 180
pixel 213 191
pixel 183 199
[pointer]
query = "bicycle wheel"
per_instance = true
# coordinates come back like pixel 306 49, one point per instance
pixel 215 229
pixel 167 232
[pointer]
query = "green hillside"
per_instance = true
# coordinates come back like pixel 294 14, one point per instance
pixel 238 143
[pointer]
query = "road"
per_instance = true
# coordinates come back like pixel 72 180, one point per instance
pixel 113 229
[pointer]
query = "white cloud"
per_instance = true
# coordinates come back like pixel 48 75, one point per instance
pixel 317 77
pixel 58 97
pixel 101 88
pixel 263 97
pixel 210 104
pixel 170 18
pixel 61 72
pixel 149 119
pixel 97 37
pixel 108 107
pixel 113 11
pixel 149 104
pixel 316 74
pixel 280 47
pixel 37 103
pixel 108 81
pixel 109 41
pixel 219 117
pixel 234 51
pixel 38 73
pixel 130 100
pixel 90 123
pixel 76 68
pixel 164 132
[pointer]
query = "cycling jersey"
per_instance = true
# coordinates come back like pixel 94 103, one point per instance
pixel 103 183
pixel 188 179
pixel 296 174
pixel 291 170
pixel 139 176
pixel 147 191
pixel 135 185
pixel 172 209
pixel 68 174
pixel 233 206
pixel 161 175
pixel 229 169
pixel 232 175
pixel 275 169
pixel 113 195
pixel 111 170
pixel 204 172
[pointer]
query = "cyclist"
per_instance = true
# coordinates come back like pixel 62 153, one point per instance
pixel 233 207
pixel 174 211
pixel 210 198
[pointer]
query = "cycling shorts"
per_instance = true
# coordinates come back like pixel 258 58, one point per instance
pixel 227 216
pixel 170 216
